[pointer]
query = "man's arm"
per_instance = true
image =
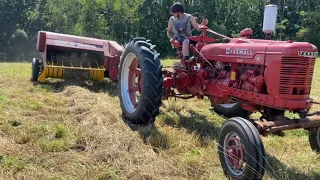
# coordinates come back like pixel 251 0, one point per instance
pixel 169 32
pixel 195 24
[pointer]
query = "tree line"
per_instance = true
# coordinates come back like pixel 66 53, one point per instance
pixel 121 20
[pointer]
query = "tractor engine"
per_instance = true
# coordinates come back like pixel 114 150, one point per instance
pixel 246 77
pixel 251 78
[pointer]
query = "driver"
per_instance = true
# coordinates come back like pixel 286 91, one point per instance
pixel 179 27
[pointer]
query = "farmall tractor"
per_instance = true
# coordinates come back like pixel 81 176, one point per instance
pixel 240 76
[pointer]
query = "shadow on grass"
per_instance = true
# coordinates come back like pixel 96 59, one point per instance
pixel 279 170
pixel 198 123
pixel 105 86
pixel 151 135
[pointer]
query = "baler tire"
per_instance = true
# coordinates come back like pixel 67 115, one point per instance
pixel 35 69
pixel 250 148
pixel 147 107
pixel 314 139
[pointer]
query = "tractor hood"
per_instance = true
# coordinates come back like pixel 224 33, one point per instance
pixel 291 48
pixel 253 51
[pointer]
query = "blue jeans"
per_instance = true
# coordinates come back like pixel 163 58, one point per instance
pixel 180 39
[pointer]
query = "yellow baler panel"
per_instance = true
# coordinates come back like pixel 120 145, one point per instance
pixel 57 72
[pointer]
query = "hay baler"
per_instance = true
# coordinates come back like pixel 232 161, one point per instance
pixel 61 53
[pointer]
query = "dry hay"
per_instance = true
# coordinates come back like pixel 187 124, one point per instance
pixel 71 74
pixel 110 142
pixel 76 59
pixel 6 146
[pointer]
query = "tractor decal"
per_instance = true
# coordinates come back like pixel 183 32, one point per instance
pixel 75 44
pixel 239 51
pixel 308 54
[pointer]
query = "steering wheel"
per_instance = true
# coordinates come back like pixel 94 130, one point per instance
pixel 203 38
pixel 199 17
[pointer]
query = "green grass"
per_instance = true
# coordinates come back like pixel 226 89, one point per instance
pixel 168 62
pixel 74 130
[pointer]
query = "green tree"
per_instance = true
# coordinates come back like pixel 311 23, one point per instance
pixel 121 20
pixel 13 32
pixel 310 28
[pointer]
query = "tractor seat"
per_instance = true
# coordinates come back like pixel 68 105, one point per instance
pixel 176 43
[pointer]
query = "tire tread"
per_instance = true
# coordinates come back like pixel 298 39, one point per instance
pixel 151 70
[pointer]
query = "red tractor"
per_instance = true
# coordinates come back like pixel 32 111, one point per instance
pixel 240 76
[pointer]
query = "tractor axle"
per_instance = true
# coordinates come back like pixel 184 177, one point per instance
pixel 267 127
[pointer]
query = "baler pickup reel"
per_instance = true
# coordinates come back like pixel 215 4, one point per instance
pixel 73 56
pixel 57 70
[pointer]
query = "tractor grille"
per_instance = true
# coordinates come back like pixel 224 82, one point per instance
pixel 296 75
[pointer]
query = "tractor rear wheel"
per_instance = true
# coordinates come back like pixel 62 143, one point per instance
pixel 140 82
pixel 35 69
pixel 314 139
pixel 241 150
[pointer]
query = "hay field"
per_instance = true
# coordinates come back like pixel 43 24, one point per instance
pixel 74 130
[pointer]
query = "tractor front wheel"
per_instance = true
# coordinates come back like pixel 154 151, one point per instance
pixel 314 139
pixel 241 150
pixel 140 82
pixel 35 69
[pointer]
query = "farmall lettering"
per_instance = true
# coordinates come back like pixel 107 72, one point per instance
pixel 239 51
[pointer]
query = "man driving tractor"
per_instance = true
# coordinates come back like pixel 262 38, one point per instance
pixel 179 28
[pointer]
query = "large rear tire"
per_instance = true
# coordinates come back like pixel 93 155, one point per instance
pixel 35 69
pixel 140 74
pixel 241 150
pixel 314 139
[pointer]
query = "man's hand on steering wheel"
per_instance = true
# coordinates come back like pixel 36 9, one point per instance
pixel 204 22
pixel 198 16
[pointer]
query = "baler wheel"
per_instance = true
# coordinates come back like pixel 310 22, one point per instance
pixel 35 69
pixel 140 82
pixel 241 150
pixel 314 139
